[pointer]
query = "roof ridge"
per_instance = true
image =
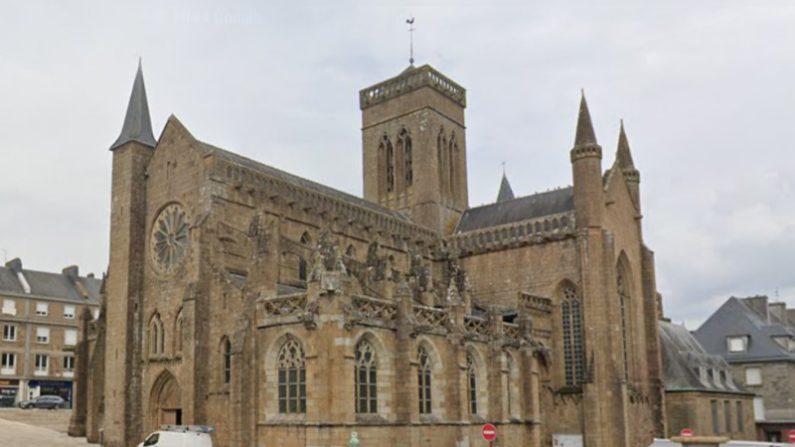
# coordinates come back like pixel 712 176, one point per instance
pixel 535 194
pixel 320 187
pixel 60 274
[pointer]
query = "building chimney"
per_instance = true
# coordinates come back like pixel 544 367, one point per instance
pixel 15 265
pixel 71 272
pixel 759 305
pixel 779 311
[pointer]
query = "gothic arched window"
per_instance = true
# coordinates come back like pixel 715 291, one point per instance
pixel 366 378
pixel 573 355
pixel 623 303
pixel 404 141
pixel 424 380
pixel 226 347
pixel 390 165
pixel 452 149
pixel 441 159
pixel 179 331
pixel 156 335
pixel 292 377
pixel 472 385
pixel 306 240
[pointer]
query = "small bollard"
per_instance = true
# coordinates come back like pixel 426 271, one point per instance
pixel 354 442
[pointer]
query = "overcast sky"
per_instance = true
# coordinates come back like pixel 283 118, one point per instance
pixel 705 89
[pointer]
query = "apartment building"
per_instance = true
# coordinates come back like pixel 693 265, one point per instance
pixel 757 339
pixel 39 313
pixel 700 391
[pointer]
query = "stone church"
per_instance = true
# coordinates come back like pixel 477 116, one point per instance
pixel 287 313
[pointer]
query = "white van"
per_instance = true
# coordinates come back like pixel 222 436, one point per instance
pixel 180 436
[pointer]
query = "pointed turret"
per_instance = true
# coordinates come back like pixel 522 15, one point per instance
pixel 124 288
pixel 506 193
pixel 623 155
pixel 627 166
pixel 586 161
pixel 137 125
pixel 585 134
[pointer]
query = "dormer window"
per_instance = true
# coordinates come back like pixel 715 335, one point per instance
pixel 737 343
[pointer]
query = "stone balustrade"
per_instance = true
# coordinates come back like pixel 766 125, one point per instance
pixel 525 232
pixel 409 80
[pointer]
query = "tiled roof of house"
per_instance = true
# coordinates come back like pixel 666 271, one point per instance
pixel 688 367
pixel 66 285
pixel 755 318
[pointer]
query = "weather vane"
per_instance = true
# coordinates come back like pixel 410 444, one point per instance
pixel 410 21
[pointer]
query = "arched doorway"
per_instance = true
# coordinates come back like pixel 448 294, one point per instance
pixel 165 406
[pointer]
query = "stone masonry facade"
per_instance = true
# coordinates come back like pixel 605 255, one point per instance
pixel 286 313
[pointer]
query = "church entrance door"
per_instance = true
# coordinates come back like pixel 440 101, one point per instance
pixel 165 407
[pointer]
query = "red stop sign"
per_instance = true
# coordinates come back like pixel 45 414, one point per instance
pixel 489 432
pixel 791 436
pixel 686 432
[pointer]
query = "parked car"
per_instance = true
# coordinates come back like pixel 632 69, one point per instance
pixel 180 436
pixel 50 402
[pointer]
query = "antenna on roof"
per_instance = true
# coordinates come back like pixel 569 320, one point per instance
pixel 503 168
pixel 410 21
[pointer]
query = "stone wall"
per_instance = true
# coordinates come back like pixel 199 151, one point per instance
pixel 693 409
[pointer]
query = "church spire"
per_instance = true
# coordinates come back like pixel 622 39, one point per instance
pixel 586 162
pixel 506 193
pixel 585 134
pixel 623 154
pixel 137 125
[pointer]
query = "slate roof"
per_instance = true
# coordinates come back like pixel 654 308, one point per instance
pixel 683 358
pixel 49 285
pixel 516 210
pixel 506 192
pixel 299 182
pixel 750 317
pixel 137 124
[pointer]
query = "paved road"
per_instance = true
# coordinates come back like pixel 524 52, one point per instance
pixel 17 434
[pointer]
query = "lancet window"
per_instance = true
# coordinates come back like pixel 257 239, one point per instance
pixel 366 378
pixel 292 377
pixel 404 141
pixel 472 385
pixel 385 148
pixel 451 159
pixel 424 380
pixel 573 352
pixel 156 335
pixel 623 302
pixel 227 352
pixel 442 160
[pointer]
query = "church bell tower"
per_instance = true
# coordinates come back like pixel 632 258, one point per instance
pixel 414 146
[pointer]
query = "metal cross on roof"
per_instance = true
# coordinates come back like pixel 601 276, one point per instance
pixel 410 21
